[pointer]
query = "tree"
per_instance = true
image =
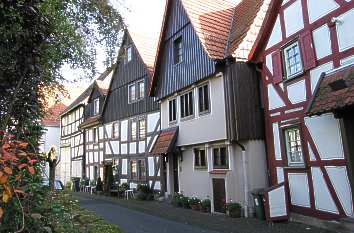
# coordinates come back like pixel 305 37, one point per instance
pixel 36 38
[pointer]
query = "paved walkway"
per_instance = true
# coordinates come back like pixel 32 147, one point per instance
pixel 155 217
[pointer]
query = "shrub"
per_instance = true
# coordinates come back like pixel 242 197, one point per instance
pixel 122 188
pixel 185 202
pixel 194 201
pixel 176 200
pixel 144 192
pixel 233 206
pixel 206 205
pixel 68 185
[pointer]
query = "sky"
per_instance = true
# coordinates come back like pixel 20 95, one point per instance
pixel 143 16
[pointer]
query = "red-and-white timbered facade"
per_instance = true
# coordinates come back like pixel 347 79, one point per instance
pixel 300 40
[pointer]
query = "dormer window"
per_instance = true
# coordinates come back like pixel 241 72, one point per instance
pixel 96 106
pixel 177 50
pixel 292 60
pixel 128 54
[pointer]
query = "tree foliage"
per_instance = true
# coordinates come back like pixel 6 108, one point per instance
pixel 36 38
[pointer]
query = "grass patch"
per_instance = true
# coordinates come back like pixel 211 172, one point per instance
pixel 63 214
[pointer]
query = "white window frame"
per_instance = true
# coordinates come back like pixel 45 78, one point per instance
pixel 193 104
pixel 227 159
pixel 96 106
pixel 142 137
pixel 298 144
pixel 169 110
pixel 140 95
pixel 128 54
pixel 133 121
pixel 117 130
pixel 197 150
pixel 288 75
pixel 209 99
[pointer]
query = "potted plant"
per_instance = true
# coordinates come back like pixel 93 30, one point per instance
pixel 206 205
pixel 233 210
pixel 176 200
pixel 185 202
pixel 194 203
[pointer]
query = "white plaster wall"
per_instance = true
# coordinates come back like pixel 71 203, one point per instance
pixel 204 128
pixel 297 92
pixel 152 120
pixel 315 74
pixel 276 35
pixel 274 99
pixel 293 18
pixel 199 182
pixel 316 10
pixel 345 30
pixel 322 41
pixel 323 198
pixel 299 189
pixel 326 134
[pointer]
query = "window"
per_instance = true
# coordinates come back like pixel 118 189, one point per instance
pixel 142 129
pixel 293 147
pixel 220 158
pixel 133 170
pixel 203 101
pixel 141 90
pixel 128 54
pixel 187 104
pixel 95 135
pixel 133 131
pixel 96 106
pixel 142 169
pixel 292 60
pixel 200 159
pixel 172 110
pixel 177 50
pixel 132 93
pixel 136 91
pixel 115 130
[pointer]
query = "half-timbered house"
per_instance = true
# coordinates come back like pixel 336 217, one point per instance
pixel 72 138
pixel 131 118
pixel 311 153
pixel 93 127
pixel 212 130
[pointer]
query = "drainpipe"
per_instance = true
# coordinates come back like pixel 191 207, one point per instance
pixel 245 178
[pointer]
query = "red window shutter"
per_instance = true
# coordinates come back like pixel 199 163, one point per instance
pixel 307 50
pixel 277 67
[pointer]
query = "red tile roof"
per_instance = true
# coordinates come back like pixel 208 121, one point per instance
pixel 335 91
pixel 165 141
pixel 211 19
pixel 52 115
pixel 246 25
pixel 146 47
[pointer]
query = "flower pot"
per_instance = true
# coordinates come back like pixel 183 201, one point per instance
pixel 234 213
pixel 195 207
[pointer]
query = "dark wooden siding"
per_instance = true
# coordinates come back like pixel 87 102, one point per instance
pixel 196 64
pixel 89 106
pixel 127 73
pixel 117 106
pixel 244 113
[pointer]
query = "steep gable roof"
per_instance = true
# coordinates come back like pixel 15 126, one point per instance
pixel 82 99
pixel 246 24
pixel 265 29
pixel 224 28
pixel 211 19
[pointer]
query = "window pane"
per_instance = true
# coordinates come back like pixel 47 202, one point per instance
pixel 292 58
pixel 133 130
pixel 132 95
pixel 177 50
pixel 182 106
pixel 142 129
pixel 141 90
pixel 172 110
pixel 133 169
pixel 293 146
pixel 196 158
pixel 142 171
pixel 202 158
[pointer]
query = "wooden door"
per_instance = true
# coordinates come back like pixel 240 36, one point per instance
pixel 219 195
